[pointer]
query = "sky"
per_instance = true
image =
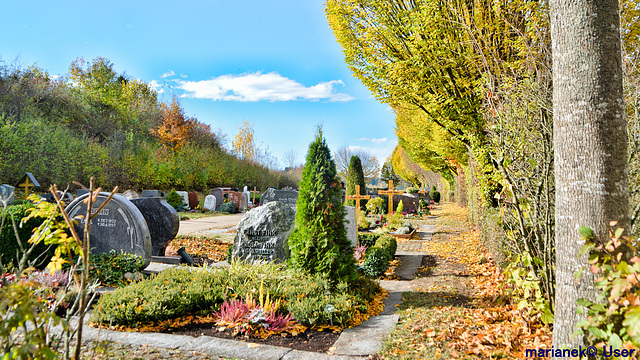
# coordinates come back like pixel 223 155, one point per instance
pixel 273 63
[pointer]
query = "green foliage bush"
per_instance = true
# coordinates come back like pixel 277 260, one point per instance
pixel 319 244
pixel 368 239
pixel 9 249
pixel 377 257
pixel 311 298
pixel 435 195
pixel 228 207
pixel 375 205
pixel 110 268
pixel 355 176
pixel 174 199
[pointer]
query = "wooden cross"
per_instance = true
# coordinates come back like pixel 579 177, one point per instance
pixel 26 182
pixel 390 193
pixel 253 194
pixel 423 191
pixel 357 197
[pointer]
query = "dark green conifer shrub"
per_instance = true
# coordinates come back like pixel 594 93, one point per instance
pixel 319 244
pixel 376 260
pixel 355 176
pixel 228 207
pixel 435 195
pixel 174 199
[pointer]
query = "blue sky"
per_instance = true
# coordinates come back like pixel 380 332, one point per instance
pixel 273 63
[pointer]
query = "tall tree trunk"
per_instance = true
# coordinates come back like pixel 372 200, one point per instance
pixel 590 143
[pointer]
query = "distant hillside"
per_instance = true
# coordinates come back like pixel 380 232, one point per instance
pixel 96 122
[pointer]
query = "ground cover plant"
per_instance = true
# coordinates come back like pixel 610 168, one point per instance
pixel 309 300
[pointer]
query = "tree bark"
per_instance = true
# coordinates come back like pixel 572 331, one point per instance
pixel 590 144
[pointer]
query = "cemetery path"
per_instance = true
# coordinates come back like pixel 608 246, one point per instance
pixel 209 223
pixel 455 303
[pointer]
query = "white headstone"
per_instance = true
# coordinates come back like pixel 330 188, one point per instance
pixel 209 203
pixel 185 197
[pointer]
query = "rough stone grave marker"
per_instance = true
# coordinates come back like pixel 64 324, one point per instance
pixel 409 202
pixel 162 220
pixel 193 200
pixel 244 201
pixel 209 203
pixel 119 226
pixel 287 197
pixel 131 194
pixel 185 197
pixel 7 194
pixel 263 233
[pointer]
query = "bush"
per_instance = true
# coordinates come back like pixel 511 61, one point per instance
pixel 310 298
pixel 376 260
pixel 368 239
pixel 9 248
pixel 319 244
pixel 174 199
pixel 435 195
pixel 375 205
pixel 228 207
pixel 412 190
pixel 110 268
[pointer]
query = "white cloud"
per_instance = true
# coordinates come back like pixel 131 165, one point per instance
pixel 260 87
pixel 156 87
pixel 374 140
pixel 168 74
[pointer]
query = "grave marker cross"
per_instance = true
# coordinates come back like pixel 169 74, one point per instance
pixel 27 181
pixel 357 197
pixel 390 193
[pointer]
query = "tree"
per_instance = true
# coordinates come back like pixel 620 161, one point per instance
pixel 290 160
pixel 319 244
pixel 590 144
pixel 244 144
pixel 370 164
pixel 387 172
pixel 355 177
pixel 176 128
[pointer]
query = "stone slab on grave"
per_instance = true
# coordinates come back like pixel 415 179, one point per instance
pixel 193 200
pixel 185 197
pixel 287 197
pixel 263 233
pixel 162 220
pixel 131 194
pixel 152 193
pixel 409 202
pixel 119 226
pixel 7 194
pixel 351 225
pixel 210 203
pixel 244 201
pixel 235 197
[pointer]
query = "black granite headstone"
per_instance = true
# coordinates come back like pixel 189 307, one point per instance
pixel 162 220
pixel 119 226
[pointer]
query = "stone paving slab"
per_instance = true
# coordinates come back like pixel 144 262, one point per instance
pixel 409 265
pixel 366 338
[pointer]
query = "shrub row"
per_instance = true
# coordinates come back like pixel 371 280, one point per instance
pixel 377 257
pixel 368 239
pixel 311 299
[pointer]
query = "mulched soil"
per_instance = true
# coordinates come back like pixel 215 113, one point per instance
pixel 310 340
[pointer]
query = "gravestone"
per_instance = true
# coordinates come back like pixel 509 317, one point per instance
pixel 209 203
pixel 81 192
pixel 130 194
pixel 153 193
pixel 162 220
pixel 193 200
pixel 287 197
pixel 66 197
pixel 219 194
pixel 119 226
pixel 409 202
pixel 185 197
pixel 263 233
pixel 351 225
pixel 7 194
pixel 244 201
pixel 235 197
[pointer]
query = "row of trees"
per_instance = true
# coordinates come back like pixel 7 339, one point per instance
pixel 96 122
pixel 472 85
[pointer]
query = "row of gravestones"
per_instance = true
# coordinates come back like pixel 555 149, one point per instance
pixel 263 232
pixel 142 226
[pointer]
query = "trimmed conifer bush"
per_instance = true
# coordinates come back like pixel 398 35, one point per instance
pixel 319 244
pixel 174 199
pixel 435 194
pixel 355 176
